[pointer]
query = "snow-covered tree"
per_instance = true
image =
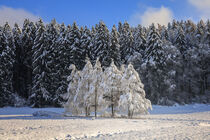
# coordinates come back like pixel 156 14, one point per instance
pixel 74 79
pixel 85 89
pixel 112 86
pixel 133 98
pixel 96 86
pixel 84 95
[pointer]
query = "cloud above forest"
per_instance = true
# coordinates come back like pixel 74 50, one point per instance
pixel 203 7
pixel 13 16
pixel 160 15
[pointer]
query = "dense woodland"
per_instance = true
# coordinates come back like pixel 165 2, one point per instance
pixel 173 62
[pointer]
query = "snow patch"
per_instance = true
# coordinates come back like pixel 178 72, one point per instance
pixel 46 114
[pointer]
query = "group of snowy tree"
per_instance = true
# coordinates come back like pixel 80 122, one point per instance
pixel 173 62
pixel 93 89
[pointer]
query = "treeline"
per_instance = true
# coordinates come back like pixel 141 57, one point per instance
pixel 173 62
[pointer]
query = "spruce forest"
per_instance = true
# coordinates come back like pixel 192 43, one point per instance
pixel 173 62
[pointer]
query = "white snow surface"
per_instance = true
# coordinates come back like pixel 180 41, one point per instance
pixel 175 122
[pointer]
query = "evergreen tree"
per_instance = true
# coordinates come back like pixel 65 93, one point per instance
pixel 27 42
pixel 207 33
pixel 19 75
pixel 40 90
pixel 86 44
pixel 52 34
pixel 189 30
pixel 181 44
pixel 180 41
pixel 154 67
pixel 153 52
pixel 198 35
pixel 77 54
pixel 91 46
pixel 101 44
pixel 4 94
pixel 139 40
pixel 114 49
pixel 7 64
pixel 120 28
pixel 126 43
pixel 62 63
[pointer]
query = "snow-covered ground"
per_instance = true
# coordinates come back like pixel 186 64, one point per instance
pixel 176 122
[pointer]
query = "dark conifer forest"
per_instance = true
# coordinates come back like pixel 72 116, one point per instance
pixel 173 62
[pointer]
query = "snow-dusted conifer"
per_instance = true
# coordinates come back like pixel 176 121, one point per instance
pixel 52 34
pixel 19 84
pixel 180 41
pixel 101 44
pixel 207 33
pixel 126 41
pixel 40 80
pixel 139 40
pixel 77 53
pixel 86 43
pixel 7 55
pixel 114 49
pixel 63 62
pixel 153 52
pixel 27 42
pixel 91 46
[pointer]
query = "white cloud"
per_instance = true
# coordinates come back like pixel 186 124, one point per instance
pixel 13 16
pixel 161 15
pixel 203 6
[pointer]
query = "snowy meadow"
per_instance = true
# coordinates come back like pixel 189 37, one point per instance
pixel 164 122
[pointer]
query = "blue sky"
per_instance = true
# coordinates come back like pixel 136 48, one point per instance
pixel 90 12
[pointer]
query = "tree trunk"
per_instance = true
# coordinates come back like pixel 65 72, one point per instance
pixel 95 101
pixel 112 106
pixel 131 114
pixel 112 110
pixel 86 111
pixel 128 112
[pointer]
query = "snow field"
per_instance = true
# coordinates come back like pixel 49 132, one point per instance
pixel 177 122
